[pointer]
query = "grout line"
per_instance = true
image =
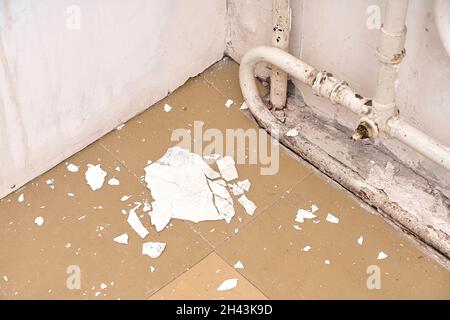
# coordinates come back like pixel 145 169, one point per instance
pixel 243 276
pixel 177 277
pixel 116 159
pixel 263 210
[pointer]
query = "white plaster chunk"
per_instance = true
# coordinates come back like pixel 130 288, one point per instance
pixel 238 265
pixel 307 248
pixel 122 239
pixel 244 106
pixel 136 224
pixel 244 184
pixel 382 255
pixel 227 168
pixel 304 214
pixel 125 198
pixel 147 207
pixel 222 199
pixel 237 191
pixel 153 249
pixel 248 205
pixel 179 186
pixel 72 168
pixel 167 108
pixel 292 132
pixel 228 284
pixel 113 182
pixel 229 103
pixel 39 221
pixel 360 240
pixel 95 176
pixel 332 219
pixel 20 198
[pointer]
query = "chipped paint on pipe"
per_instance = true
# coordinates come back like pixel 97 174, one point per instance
pixel 281 20
pixel 390 53
pixel 325 85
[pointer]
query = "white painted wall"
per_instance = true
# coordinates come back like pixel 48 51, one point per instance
pixel 62 88
pixel 332 35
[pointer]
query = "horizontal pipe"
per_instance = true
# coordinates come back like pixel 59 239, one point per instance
pixel 325 85
pixel 416 139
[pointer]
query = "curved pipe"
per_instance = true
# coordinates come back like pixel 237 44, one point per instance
pixel 325 85
pixel 322 82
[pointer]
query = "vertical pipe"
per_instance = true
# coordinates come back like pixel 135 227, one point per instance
pixel 281 21
pixel 390 53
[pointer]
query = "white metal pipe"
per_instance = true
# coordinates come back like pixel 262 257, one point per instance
pixel 325 85
pixel 442 18
pixel 419 141
pixel 281 24
pixel 390 53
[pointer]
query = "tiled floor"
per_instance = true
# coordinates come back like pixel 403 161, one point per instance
pixel 79 225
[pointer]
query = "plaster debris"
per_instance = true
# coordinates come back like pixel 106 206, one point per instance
pixel 5 278
pixel 70 194
pixel 136 224
pixel 167 108
pixel 244 184
pixel 307 248
pixel 113 182
pixel 152 269
pixel 238 265
pixel 20 198
pixel 222 199
pixel 248 205
pixel 180 189
pixel 237 191
pixel 228 284
pixel 227 168
pixel 147 207
pixel 304 214
pixel 229 103
pixel 72 168
pixel 382 255
pixel 332 219
pixel 39 221
pixel 153 249
pixel 125 198
pixel 360 240
pixel 297 227
pixel 214 157
pixel 103 286
pixel 327 261
pixel 122 239
pixel 82 217
pixel 292 133
pixel 314 208
pixel 95 176
pixel 121 126
pixel 244 106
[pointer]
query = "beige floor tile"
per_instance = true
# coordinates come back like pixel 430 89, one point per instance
pixel 79 231
pixel 224 76
pixel 147 137
pixel 202 281
pixel 272 251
